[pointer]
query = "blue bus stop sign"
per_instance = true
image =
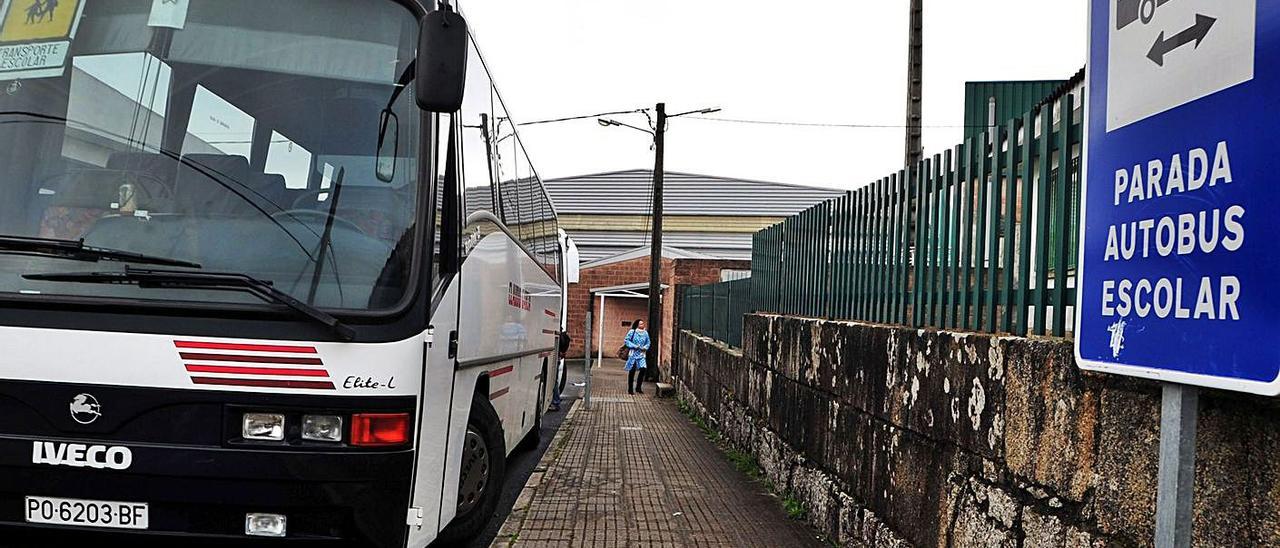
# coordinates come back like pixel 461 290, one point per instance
pixel 1180 263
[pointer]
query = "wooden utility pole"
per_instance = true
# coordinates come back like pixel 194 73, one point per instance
pixel 915 85
pixel 655 256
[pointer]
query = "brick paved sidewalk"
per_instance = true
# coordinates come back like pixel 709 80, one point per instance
pixel 633 471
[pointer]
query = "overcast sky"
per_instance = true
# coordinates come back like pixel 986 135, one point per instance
pixel 815 61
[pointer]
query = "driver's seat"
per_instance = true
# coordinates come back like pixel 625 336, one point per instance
pixel 214 185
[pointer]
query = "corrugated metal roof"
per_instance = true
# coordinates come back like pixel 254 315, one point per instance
pixel 479 198
pixel 668 252
pixel 627 193
pixel 596 245
pixel 689 241
pixel 600 253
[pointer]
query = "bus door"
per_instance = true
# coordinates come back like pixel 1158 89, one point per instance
pixel 438 410
pixel 438 407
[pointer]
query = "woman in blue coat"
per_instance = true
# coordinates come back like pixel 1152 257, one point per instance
pixel 637 342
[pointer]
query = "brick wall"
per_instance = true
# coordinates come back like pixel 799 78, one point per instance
pixel 674 273
pixel 580 301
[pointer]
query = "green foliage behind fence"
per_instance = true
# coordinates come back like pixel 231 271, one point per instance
pixel 981 238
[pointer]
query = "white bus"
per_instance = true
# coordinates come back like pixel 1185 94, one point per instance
pixel 267 269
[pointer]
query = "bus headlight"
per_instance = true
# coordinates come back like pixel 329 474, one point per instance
pixel 265 525
pixel 263 426
pixel 322 428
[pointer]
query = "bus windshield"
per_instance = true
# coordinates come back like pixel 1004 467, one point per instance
pixel 261 138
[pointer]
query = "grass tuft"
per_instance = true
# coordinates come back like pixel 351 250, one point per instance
pixel 794 508
pixel 698 421
pixel 746 463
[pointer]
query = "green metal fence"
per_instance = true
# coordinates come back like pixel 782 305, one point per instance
pixel 981 238
pixel 716 310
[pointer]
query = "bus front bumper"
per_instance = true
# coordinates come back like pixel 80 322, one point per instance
pixel 357 498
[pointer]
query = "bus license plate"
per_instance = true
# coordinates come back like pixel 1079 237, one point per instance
pixel 87 513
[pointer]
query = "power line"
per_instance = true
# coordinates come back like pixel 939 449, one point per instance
pixel 571 118
pixel 791 123
pixel 826 125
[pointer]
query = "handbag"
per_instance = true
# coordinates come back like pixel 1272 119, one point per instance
pixel 624 353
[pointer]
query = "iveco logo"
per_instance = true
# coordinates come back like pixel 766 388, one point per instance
pixel 85 408
pixel 79 455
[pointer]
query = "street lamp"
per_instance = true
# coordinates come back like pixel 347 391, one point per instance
pixel 605 122
pixel 659 130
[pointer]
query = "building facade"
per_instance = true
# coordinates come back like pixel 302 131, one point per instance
pixel 708 223
pixel 609 213
pixel 615 291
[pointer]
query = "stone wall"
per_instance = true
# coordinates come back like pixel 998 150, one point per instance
pixel 902 437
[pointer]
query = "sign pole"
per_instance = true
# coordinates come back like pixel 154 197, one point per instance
pixel 586 365
pixel 1179 405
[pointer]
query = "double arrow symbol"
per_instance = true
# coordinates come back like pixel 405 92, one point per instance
pixel 1196 34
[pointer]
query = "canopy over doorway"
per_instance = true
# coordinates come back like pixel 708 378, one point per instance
pixel 628 291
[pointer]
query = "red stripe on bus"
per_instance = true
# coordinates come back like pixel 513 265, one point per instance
pixel 499 394
pixel 549 313
pixel 264 383
pixel 237 370
pixel 502 371
pixel 194 356
pixel 245 347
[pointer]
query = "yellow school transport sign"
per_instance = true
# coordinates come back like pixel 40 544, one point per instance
pixel 35 36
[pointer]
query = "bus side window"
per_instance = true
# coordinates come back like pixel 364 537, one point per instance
pixel 548 247
pixel 447 222
pixel 510 170
pixel 478 127
pixel 218 127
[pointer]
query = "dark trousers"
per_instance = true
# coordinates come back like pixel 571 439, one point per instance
pixel 558 389
pixel 635 378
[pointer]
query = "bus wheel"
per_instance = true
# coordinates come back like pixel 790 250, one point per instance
pixel 483 470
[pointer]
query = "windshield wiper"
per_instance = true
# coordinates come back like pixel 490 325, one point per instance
pixel 201 280
pixel 76 250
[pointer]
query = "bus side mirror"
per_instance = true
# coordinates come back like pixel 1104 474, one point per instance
pixel 442 61
pixel 388 146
